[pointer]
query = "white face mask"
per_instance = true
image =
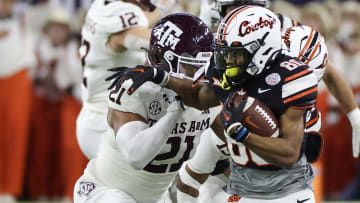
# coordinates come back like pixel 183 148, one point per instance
pixel 200 62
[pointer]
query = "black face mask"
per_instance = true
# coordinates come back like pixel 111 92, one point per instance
pixel 232 62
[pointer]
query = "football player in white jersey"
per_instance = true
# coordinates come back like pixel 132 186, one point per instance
pixel 113 34
pixel 152 132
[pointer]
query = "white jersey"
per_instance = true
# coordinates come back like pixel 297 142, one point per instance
pixel 102 20
pixel 148 185
pixel 209 15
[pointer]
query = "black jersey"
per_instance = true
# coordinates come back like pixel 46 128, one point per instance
pixel 288 83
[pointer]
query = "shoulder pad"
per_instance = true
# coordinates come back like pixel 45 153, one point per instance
pixel 299 87
pixel 134 103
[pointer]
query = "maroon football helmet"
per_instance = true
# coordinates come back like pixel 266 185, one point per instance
pixel 180 40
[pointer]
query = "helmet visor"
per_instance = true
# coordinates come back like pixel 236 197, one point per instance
pixel 231 57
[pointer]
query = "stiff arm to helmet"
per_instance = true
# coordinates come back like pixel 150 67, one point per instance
pixel 180 44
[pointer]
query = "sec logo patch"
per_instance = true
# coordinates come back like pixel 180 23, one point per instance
pixel 154 108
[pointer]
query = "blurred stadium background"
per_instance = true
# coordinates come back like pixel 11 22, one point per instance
pixel 40 159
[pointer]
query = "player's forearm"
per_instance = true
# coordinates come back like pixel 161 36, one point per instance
pixel 140 144
pixel 276 151
pixel 134 39
pixel 340 88
pixel 192 96
pixel 284 150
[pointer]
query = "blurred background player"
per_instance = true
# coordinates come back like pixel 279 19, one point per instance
pixel 153 133
pixel 113 34
pixel 16 46
pixel 56 103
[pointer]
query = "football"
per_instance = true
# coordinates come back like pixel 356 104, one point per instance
pixel 256 116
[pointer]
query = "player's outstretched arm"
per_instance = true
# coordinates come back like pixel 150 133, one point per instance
pixel 138 143
pixel 341 90
pixel 200 96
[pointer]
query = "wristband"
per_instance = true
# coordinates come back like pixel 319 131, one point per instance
pixel 240 133
pixel 354 116
pixel 165 79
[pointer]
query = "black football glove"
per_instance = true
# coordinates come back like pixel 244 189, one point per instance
pixel 139 75
pixel 230 118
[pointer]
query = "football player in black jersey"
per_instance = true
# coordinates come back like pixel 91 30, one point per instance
pixel 334 80
pixel 248 51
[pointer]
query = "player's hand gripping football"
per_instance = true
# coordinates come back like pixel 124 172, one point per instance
pixel 230 118
pixel 139 75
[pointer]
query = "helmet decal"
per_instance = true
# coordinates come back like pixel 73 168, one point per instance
pixel 249 39
pixel 245 27
pixel 168 35
pixel 286 37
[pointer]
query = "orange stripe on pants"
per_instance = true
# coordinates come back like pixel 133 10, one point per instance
pixel 15 104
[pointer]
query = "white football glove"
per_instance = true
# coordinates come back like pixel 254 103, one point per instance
pixel 354 117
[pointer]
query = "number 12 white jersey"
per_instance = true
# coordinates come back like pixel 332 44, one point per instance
pixel 103 19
